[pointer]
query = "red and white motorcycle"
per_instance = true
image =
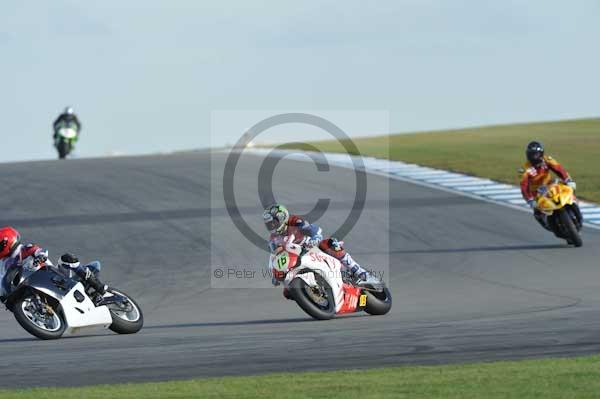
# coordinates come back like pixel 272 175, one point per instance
pixel 316 281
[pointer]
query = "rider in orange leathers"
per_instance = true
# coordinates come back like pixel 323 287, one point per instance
pixel 538 172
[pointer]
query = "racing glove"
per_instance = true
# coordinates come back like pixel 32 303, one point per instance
pixel 532 203
pixel 40 255
pixel 571 183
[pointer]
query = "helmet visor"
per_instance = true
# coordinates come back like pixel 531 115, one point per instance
pixel 535 157
pixel 272 225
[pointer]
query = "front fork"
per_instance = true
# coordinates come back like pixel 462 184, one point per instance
pixel 70 142
pixel 42 305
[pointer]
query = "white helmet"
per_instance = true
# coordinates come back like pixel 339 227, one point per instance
pixel 69 111
pixel 68 261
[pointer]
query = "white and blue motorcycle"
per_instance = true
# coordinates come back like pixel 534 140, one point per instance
pixel 48 302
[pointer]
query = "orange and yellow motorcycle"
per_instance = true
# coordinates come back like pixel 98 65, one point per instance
pixel 557 201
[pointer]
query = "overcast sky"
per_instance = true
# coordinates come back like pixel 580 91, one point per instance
pixel 144 76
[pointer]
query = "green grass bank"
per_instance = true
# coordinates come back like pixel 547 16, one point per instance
pixel 548 378
pixel 496 152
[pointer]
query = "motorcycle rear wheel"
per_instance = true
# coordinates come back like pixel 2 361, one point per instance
pixel 569 226
pixel 299 292
pixel 27 316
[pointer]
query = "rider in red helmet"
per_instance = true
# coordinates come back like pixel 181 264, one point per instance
pixel 13 254
pixel 9 242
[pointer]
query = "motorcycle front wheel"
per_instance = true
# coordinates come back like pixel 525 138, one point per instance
pixel 44 324
pixel 318 302
pixel 63 148
pixel 569 227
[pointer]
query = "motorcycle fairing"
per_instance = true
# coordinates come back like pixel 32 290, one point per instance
pixel 83 313
pixel 327 266
pixel 68 133
pixel 554 197
pixel 353 299
pixel 78 313
pixel 45 280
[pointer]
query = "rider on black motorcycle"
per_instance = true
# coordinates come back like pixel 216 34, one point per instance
pixel 67 117
pixel 13 254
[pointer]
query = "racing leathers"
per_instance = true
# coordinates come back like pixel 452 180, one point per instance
pixel 535 177
pixel 310 235
pixel 87 274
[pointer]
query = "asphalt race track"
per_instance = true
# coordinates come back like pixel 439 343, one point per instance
pixel 471 281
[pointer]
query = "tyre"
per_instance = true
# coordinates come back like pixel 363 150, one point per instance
pixel 576 212
pixel 43 326
pixel 378 303
pixel 317 303
pixel 569 228
pixel 63 149
pixel 126 319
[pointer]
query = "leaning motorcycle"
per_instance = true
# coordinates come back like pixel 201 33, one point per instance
pixel 65 138
pixel 48 303
pixel 318 284
pixel 557 201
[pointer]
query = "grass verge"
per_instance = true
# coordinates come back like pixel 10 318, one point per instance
pixel 547 378
pixel 496 152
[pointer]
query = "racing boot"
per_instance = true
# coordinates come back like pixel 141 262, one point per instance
pixel 90 278
pixel 366 279
pixel 97 285
pixel 362 278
